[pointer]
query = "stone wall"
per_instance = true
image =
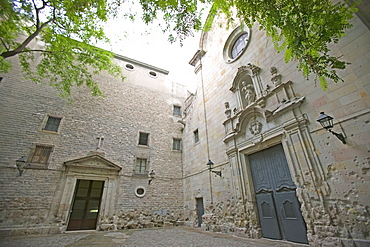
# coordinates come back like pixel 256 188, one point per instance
pixel 142 102
pixel 332 178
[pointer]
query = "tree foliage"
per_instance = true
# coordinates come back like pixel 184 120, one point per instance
pixel 304 29
pixel 68 30
pixel 181 17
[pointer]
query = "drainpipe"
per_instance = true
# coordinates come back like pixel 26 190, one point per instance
pixel 206 124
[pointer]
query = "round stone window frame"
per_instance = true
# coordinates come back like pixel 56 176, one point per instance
pixel 140 188
pixel 233 37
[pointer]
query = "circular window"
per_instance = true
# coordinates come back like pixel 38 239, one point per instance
pixel 140 191
pixel 236 44
pixel 129 66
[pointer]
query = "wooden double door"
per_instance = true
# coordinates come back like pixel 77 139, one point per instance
pixel 86 205
pixel 278 206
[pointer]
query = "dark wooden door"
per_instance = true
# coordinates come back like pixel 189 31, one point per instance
pixel 200 210
pixel 86 205
pixel 278 206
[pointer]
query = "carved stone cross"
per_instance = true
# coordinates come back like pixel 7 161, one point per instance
pixel 100 142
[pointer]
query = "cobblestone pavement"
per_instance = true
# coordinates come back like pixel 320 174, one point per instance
pixel 178 236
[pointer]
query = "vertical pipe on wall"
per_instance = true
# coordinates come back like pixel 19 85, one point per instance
pixel 205 124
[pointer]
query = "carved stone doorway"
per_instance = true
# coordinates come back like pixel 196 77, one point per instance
pixel 96 175
pixel 278 206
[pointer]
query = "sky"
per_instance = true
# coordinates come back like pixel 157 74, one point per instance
pixel 150 45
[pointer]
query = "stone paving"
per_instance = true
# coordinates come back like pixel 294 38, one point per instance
pixel 178 236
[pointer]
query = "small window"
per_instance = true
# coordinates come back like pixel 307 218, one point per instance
pixel 140 191
pixel 176 110
pixel 176 144
pixel 140 166
pixel 143 138
pixel 41 154
pixel 152 74
pixel 52 124
pixel 196 136
pixel 129 66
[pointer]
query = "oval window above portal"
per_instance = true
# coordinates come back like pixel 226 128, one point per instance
pixel 236 44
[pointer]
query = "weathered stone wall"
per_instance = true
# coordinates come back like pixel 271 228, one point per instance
pixel 27 200
pixel 142 102
pixel 332 178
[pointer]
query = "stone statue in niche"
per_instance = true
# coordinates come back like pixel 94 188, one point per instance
pixel 250 95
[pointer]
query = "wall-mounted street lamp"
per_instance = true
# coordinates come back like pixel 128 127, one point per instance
pixel 20 163
pixel 151 176
pixel 326 122
pixel 210 167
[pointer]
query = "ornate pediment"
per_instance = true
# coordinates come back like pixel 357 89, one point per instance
pixel 94 161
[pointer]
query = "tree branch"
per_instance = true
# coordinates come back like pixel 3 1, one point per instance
pixel 37 10
pixel 21 48
pixel 42 51
pixel 4 44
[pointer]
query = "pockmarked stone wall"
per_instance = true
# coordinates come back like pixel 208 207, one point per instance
pixel 331 178
pixel 97 140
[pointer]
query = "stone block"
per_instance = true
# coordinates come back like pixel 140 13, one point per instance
pixel 107 227
pixel 167 224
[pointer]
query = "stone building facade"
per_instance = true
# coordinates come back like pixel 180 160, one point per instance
pixel 87 162
pixel 276 172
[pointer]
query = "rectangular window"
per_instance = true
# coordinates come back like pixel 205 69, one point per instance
pixel 143 138
pixel 176 144
pixel 140 166
pixel 52 124
pixel 176 110
pixel 196 136
pixel 41 154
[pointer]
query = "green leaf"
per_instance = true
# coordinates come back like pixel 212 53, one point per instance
pixel 69 30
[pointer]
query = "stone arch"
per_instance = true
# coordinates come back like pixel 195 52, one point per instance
pixel 249 116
